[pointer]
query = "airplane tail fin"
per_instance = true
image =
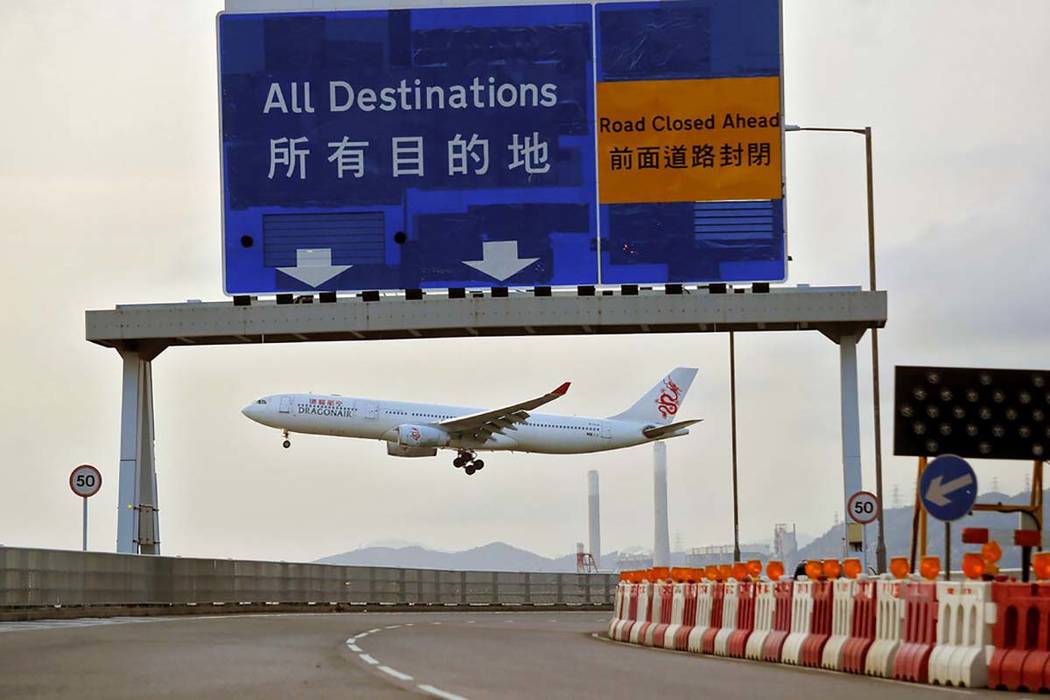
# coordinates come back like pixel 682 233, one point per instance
pixel 660 405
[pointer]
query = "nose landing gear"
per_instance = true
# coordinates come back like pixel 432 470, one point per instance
pixel 287 443
pixel 467 461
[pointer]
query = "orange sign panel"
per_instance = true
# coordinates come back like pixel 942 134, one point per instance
pixel 689 140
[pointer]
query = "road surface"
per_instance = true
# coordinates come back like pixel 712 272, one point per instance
pixel 386 655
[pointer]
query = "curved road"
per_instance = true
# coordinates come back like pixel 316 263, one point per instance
pixel 450 655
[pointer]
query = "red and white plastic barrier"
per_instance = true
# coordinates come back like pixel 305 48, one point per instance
pixel 745 620
pixel 965 617
pixel 969 633
pixel 663 597
pixel 730 604
pixel 801 618
pixel 680 637
pixel 647 598
pixel 843 592
pixel 920 632
pixel 862 627
pixel 820 625
pixel 708 615
pixel 1021 637
pixel 889 628
pixel 773 648
pixel 765 606
pixel 666 637
pixel 619 608
pixel 641 607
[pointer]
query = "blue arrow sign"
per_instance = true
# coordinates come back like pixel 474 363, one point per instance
pixel 948 488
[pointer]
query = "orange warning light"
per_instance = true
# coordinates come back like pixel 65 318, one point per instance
pixel 930 568
pixel 1041 565
pixel 660 573
pixel 774 570
pixel 711 572
pixel 740 571
pixel 900 567
pixel 973 565
pixel 831 568
pixel 754 567
pixel 991 552
pixel 852 568
pixel 725 571
pixel 814 568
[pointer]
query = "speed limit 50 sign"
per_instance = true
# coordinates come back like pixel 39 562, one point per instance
pixel 863 507
pixel 85 480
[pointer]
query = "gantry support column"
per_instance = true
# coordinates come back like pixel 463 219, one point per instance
pixel 851 468
pixel 852 480
pixel 138 531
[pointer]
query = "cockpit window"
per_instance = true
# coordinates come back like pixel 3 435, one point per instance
pixel 261 402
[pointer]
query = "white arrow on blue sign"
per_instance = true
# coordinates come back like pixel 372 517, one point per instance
pixel 948 488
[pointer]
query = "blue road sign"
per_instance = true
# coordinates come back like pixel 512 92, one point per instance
pixel 464 147
pixel 948 488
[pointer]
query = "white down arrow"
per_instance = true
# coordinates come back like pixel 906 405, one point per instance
pixel 499 260
pixel 313 266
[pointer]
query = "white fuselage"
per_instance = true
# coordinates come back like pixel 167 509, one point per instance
pixel 379 420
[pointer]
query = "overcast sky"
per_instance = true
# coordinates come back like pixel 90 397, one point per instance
pixel 109 194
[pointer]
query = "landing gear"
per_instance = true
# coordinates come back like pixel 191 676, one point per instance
pixel 287 443
pixel 466 461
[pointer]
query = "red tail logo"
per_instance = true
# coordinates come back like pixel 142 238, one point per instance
pixel 667 402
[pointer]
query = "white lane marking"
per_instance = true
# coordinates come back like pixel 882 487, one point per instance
pixel 470 622
pixel 372 631
pixel 370 660
pixel 362 635
pixel 354 648
pixel 439 693
pixel 392 627
pixel 410 624
pixel 395 673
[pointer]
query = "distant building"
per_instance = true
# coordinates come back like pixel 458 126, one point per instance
pixel 723 554
pixel 785 545
pixel 633 562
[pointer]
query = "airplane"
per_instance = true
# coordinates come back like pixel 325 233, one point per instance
pixel 420 430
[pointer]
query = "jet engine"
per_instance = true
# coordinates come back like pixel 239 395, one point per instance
pixel 421 436
pixel 401 451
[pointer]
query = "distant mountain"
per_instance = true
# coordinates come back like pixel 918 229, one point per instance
pixel 495 556
pixel 898 523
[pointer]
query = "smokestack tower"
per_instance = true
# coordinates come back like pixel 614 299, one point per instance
pixel 594 526
pixel 661 539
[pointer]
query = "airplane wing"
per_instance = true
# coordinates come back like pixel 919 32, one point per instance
pixel 482 425
pixel 660 431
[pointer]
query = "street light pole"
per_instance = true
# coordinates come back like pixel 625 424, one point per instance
pixel 732 400
pixel 880 549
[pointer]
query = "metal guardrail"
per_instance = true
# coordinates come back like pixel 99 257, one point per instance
pixel 47 577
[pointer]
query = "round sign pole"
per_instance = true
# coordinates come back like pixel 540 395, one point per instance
pixel 85 481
